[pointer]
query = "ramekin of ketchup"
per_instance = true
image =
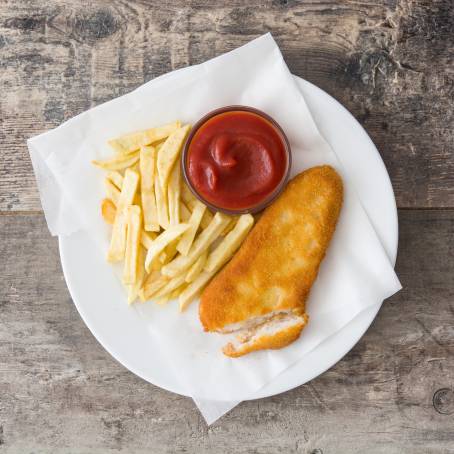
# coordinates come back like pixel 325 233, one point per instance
pixel 236 160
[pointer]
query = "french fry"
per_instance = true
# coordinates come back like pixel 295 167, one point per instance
pixel 173 195
pixel 197 268
pixel 116 178
pixel 136 168
pixel 191 201
pixel 133 290
pixel 134 140
pixel 151 196
pixel 147 177
pixel 185 213
pixel 170 286
pixel 157 263
pixel 162 240
pixel 162 258
pixel 162 300
pixel 229 227
pixel 108 211
pixel 161 204
pixel 202 243
pixel 187 196
pixel 168 154
pixel 152 284
pixel 113 193
pixel 171 251
pixel 194 221
pixel 227 247
pixel 177 292
pixel 147 238
pixel 193 290
pixel 118 241
pixel 207 216
pixel 206 219
pixel 118 162
pixel 134 223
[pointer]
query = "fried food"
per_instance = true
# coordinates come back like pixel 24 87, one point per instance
pixel 118 162
pixel 173 195
pixel 133 141
pixel 261 293
pixel 147 175
pixel 116 178
pixel 193 290
pixel 230 243
pixel 200 245
pixel 169 153
pixel 162 240
pixel 164 234
pixel 196 268
pixel 108 211
pixel 161 204
pixel 117 247
pixel 134 227
pixel 133 289
pixel 194 221
pixel 113 193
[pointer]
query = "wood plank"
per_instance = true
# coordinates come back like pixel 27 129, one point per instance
pixel 389 62
pixel 60 391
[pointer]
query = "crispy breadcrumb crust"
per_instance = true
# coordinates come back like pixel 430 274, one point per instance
pixel 279 261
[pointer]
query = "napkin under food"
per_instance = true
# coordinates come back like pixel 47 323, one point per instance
pixel 355 274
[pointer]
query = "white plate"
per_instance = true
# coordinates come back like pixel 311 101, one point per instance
pixel 115 325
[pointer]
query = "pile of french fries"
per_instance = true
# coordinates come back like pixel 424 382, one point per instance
pixel 171 244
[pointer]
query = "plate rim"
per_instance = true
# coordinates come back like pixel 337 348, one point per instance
pixel 371 311
pixel 282 388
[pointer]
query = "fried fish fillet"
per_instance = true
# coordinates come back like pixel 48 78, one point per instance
pixel 261 293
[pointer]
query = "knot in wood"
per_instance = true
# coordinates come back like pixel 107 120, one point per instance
pixel 443 401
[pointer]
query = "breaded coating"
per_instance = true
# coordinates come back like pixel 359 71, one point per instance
pixel 277 264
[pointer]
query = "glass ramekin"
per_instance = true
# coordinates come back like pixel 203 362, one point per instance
pixel 279 187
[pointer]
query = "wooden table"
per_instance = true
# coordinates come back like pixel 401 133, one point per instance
pixel 391 63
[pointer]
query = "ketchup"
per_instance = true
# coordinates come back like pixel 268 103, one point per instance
pixel 236 159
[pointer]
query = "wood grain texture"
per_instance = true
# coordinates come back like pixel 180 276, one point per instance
pixel 390 62
pixel 61 392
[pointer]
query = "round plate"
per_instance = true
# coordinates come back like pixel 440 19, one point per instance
pixel 115 325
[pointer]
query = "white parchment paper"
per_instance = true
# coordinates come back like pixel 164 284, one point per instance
pixel 355 274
